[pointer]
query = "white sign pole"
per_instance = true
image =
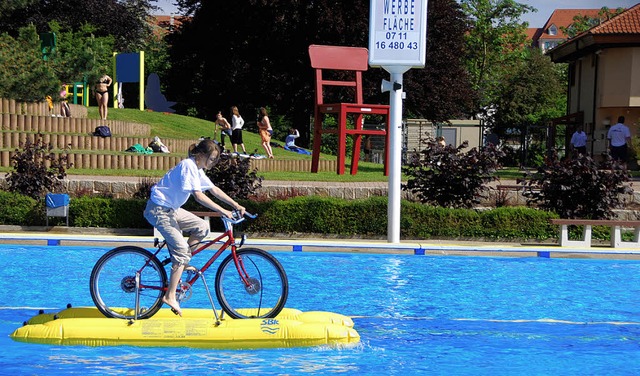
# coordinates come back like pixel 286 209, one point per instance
pixel 397 42
pixel 395 155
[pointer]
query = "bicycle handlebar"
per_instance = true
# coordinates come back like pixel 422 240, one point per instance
pixel 237 218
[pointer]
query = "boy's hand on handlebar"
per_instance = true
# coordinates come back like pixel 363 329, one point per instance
pixel 241 209
pixel 227 213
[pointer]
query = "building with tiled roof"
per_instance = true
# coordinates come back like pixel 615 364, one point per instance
pixel 551 34
pixel 604 77
pixel 166 24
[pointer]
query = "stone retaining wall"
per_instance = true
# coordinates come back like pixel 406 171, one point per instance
pixel 270 189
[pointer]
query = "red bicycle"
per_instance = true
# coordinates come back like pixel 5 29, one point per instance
pixel 128 282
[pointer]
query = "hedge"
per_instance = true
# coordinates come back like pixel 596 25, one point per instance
pixel 313 215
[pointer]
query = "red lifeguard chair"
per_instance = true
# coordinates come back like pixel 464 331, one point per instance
pixel 353 60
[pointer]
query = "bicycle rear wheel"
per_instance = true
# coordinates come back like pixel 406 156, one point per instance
pixel 113 283
pixel 266 293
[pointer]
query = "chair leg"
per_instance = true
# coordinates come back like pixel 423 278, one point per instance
pixel 355 154
pixel 342 141
pixel 317 143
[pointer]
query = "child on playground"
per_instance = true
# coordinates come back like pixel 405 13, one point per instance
pixel 65 111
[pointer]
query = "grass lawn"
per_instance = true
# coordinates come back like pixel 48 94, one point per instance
pixel 175 126
pixel 184 127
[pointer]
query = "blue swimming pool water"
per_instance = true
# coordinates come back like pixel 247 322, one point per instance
pixel 437 315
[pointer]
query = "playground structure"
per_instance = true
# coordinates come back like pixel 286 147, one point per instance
pixel 128 68
pixel 76 93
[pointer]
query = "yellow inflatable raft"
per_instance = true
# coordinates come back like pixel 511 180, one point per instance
pixel 196 328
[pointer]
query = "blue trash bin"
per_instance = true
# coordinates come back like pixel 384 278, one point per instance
pixel 57 206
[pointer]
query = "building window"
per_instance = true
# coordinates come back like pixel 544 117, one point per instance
pixel 549 45
pixel 553 30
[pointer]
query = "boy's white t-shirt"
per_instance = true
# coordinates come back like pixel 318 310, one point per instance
pixel 175 187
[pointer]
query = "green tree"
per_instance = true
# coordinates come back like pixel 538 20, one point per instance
pixel 495 42
pixel 80 55
pixel 533 93
pixel 26 76
pixel 256 54
pixel 125 20
pixel 442 90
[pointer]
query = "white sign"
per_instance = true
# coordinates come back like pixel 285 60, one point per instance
pixel 397 33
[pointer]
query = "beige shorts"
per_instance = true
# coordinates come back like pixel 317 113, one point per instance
pixel 173 225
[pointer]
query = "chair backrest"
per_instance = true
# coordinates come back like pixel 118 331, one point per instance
pixel 355 59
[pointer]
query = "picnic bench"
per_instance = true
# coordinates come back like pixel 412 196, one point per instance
pixel 616 227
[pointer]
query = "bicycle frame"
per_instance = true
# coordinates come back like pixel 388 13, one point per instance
pixel 128 272
pixel 203 245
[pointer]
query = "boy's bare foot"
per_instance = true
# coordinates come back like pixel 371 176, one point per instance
pixel 175 307
pixel 190 268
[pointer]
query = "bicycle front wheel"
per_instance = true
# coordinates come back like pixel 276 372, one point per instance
pixel 256 288
pixel 113 283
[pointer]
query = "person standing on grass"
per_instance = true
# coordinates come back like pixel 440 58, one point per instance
pixel 101 90
pixel 164 209
pixel 264 127
pixel 236 130
pixel 225 127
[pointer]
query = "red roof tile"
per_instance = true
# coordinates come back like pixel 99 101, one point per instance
pixel 627 22
pixel 533 33
pixel 167 23
pixel 564 18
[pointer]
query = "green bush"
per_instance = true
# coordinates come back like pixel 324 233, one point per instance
pixel 235 176
pixel 430 221
pixel 17 209
pixel 449 177
pixel 106 212
pixel 312 215
pixel 579 187
pixel 519 222
pixel 36 170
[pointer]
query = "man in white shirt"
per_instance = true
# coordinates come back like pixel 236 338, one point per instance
pixel 619 136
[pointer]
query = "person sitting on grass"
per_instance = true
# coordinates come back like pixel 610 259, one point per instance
pixel 290 141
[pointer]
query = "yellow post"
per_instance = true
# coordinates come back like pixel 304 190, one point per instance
pixel 141 81
pixel 115 82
